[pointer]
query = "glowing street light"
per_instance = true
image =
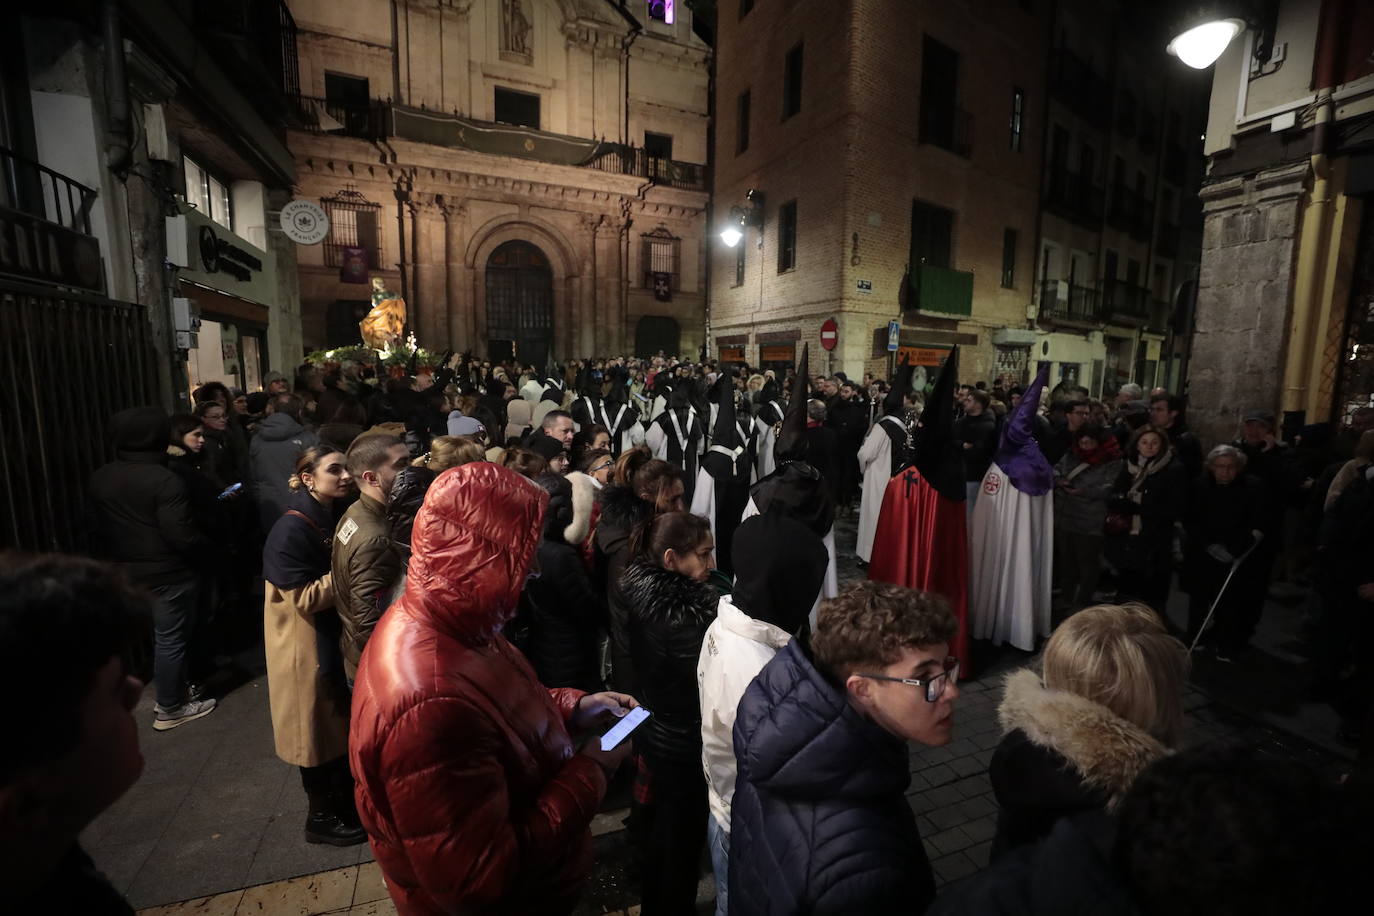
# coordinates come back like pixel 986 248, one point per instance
pixel 731 235
pixel 1200 46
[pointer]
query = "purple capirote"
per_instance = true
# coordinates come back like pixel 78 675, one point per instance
pixel 1018 454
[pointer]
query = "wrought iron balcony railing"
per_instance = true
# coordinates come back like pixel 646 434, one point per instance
pixel 37 190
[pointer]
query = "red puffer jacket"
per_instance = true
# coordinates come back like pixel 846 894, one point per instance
pixel 473 799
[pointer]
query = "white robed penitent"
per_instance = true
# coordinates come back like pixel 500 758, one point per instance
pixel 1011 535
pixel 875 461
pixel 1010 563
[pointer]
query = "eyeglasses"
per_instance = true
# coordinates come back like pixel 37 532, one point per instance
pixel 601 467
pixel 935 685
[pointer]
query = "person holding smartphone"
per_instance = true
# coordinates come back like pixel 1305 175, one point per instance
pixel 470 785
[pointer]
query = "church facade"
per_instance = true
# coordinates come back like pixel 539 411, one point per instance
pixel 527 174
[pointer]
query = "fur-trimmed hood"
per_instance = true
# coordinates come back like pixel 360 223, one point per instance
pixel 667 597
pixel 583 499
pixel 1107 752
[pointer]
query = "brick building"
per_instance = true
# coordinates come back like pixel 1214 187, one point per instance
pixel 943 166
pixel 529 174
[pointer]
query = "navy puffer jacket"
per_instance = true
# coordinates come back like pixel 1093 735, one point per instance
pixel 820 822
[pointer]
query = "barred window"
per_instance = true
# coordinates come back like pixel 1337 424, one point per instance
pixel 661 253
pixel 354 222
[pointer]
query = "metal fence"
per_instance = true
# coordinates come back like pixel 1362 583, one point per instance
pixel 68 362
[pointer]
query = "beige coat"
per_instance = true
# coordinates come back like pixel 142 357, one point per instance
pixel 309 708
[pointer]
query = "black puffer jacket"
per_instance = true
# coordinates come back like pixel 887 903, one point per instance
pixel 621 512
pixel 141 512
pixel 404 502
pixel 669 614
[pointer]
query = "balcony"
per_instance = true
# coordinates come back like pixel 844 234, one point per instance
pixel 948 127
pixel 1073 196
pixel 1131 212
pixel 941 290
pixel 1123 303
pixel 49 215
pixel 1081 88
pixel 379 120
pixel 1063 302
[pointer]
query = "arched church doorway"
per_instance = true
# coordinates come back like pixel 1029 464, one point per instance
pixel 519 304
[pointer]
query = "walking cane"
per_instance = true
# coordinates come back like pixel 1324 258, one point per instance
pixel 1235 565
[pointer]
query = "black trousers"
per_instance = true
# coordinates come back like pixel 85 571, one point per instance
pixel 329 789
pixel 675 833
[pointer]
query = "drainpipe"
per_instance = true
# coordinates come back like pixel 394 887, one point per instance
pixel 119 145
pixel 629 39
pixel 402 196
pixel 1308 284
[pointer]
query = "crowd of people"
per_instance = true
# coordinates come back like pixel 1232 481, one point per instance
pixel 469 573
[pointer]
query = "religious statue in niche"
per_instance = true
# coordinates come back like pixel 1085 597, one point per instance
pixel 515 28
pixel 383 326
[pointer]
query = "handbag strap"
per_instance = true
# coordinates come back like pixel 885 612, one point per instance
pixel 311 522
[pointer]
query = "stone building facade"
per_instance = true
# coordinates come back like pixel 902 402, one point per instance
pixel 529 174
pixel 1284 316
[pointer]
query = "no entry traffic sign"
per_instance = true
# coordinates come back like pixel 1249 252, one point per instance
pixel 830 334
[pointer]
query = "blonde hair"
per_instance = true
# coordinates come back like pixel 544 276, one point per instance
pixel 450 451
pixel 1122 657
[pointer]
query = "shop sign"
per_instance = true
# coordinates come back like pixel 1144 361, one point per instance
pixel 922 356
pixel 304 222
pixel 732 354
pixel 35 249
pixel 777 353
pixel 210 255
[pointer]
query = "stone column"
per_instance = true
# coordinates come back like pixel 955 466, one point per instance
pixel 1245 297
pixel 432 276
pixel 582 342
pixel 457 321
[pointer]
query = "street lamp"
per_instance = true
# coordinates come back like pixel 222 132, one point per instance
pixel 1208 30
pixel 741 218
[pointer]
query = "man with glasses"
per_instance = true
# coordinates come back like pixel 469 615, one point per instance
pixel 819 819
pixel 1062 438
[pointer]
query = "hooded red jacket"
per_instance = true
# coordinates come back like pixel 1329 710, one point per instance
pixel 467 783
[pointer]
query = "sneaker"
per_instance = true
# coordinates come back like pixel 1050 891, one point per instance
pixel 191 710
pixel 195 692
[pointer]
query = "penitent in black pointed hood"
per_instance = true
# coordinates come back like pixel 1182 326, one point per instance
pixel 938 456
pixel 894 403
pixel 726 456
pixel 791 444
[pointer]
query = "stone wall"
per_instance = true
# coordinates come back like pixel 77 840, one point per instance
pixel 1245 298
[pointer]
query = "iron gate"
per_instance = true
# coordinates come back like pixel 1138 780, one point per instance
pixel 520 302
pixel 68 362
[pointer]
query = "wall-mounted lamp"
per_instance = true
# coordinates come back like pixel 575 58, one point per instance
pixel 741 218
pixel 1202 35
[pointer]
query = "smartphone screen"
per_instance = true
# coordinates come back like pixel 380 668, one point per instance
pixel 621 730
pixel 230 490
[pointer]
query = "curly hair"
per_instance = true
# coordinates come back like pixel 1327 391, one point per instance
pixel 868 626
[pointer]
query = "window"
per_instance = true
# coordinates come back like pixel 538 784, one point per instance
pixel 932 235
pixel 207 194
pixel 787 236
pixel 1018 110
pixel 792 83
pixel 660 254
pixel 658 146
pixel 942 122
pixel 739 263
pixel 742 122
pixel 1109 266
pixel 744 7
pixel 348 100
pixel 1009 258
pixel 519 108
pixel 661 11
pixel 354 222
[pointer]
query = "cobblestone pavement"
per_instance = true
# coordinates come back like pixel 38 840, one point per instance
pixel 216 813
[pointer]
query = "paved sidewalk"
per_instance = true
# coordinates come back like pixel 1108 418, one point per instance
pixel 217 814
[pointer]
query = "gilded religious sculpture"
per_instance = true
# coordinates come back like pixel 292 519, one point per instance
pixel 383 326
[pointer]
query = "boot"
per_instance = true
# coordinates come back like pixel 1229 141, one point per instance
pixel 329 828
pixel 329 820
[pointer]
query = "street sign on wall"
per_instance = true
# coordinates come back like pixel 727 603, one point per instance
pixel 830 334
pixel 894 335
